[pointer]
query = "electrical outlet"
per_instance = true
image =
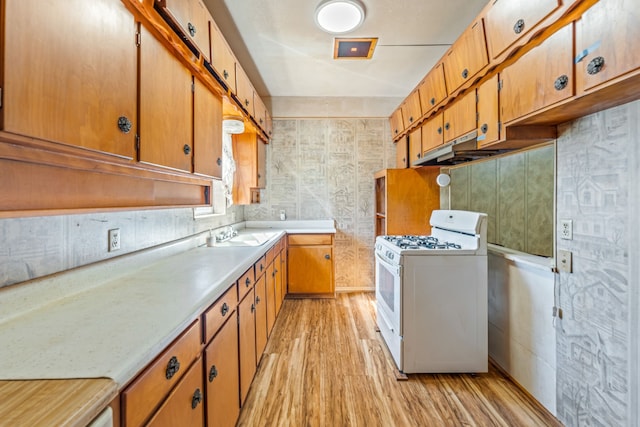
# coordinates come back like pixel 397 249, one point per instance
pixel 564 261
pixel 566 229
pixel 114 239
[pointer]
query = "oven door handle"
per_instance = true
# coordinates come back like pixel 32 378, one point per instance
pixel 395 269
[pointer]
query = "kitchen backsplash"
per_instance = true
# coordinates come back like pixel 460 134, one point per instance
pixel 323 168
pixel 38 246
pixel 516 191
pixel 598 337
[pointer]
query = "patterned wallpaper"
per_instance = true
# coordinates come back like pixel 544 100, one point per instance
pixel 323 168
pixel 597 339
pixel 516 191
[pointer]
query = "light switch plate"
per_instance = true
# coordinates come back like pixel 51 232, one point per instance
pixel 565 261
pixel 566 229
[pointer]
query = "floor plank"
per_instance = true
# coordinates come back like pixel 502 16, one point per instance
pixel 325 365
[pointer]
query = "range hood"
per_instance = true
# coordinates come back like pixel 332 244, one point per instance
pixel 463 149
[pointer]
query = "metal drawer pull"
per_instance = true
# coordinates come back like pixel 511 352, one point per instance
pixel 257 300
pixel 192 29
pixel 595 65
pixel 197 398
pixel 247 282
pixel 225 309
pixel 172 367
pixel 213 373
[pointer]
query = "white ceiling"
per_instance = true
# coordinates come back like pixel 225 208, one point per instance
pixel 285 54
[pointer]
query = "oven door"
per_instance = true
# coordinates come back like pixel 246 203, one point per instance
pixel 389 293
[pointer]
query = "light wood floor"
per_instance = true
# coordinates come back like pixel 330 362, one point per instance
pixel 326 366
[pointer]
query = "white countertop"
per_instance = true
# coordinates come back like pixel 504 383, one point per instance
pixel 64 328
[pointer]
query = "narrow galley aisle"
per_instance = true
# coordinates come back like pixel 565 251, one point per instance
pixel 325 365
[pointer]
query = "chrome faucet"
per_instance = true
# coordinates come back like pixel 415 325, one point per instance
pixel 226 233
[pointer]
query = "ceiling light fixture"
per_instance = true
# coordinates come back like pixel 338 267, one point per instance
pixel 339 16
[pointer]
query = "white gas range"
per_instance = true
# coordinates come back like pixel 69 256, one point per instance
pixel 431 294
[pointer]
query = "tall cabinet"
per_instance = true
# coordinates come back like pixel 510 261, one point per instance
pixel 405 199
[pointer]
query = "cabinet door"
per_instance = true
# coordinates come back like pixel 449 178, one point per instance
pixel 607 42
pixel 222 377
pixel 271 296
pixel 269 128
pixel 283 270
pixel 433 89
pixel 402 153
pixel 460 118
pixel 509 20
pixel 277 272
pixel 488 117
pixel 192 19
pixel 415 145
pixel 261 112
pixel 184 406
pixel 261 316
pixel 432 133
pixel 207 132
pixel 165 126
pixel 411 110
pixel 70 73
pixel 247 343
pixel 310 270
pixel 261 148
pixel 222 59
pixel 397 124
pixel 250 155
pixel 245 90
pixel 467 57
pixel 540 78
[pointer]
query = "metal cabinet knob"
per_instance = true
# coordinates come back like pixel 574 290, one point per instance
pixel 124 124
pixel 447 126
pixel 440 130
pixel 225 73
pixel 327 256
pixel 197 398
pixel 484 128
pixel 433 101
pixel 253 308
pixel 213 373
pixel 187 149
pixel 561 82
pixel 219 161
pixel 192 29
pixel 518 27
pixel 247 282
pixel 225 309
pixel 172 367
pixel 465 73
pixel 595 65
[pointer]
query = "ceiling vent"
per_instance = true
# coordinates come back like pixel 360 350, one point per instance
pixel 361 48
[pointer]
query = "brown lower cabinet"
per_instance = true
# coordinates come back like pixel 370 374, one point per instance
pixel 184 405
pixel 310 265
pixel 203 377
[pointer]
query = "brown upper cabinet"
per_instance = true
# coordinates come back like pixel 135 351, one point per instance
pixel 607 43
pixel 397 124
pixel 411 110
pixel 540 78
pixel 488 113
pixel 74 79
pixel 460 117
pixel 402 153
pixel 432 133
pixel 269 127
pixel 415 145
pixel 433 89
pixel 250 155
pixel 244 90
pixel 222 58
pixel 260 112
pixel 166 110
pixel 207 131
pixel 467 56
pixel 509 20
pixel 191 17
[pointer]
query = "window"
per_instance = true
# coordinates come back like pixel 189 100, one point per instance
pixel 218 202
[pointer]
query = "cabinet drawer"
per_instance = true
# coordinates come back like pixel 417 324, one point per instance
pixel 261 266
pixel 245 283
pixel 146 392
pixel 310 239
pixel 271 254
pixel 220 311
pixel 185 404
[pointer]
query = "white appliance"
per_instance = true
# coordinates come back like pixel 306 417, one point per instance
pixel 431 294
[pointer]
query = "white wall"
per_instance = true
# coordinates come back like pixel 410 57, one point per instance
pixel 522 338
